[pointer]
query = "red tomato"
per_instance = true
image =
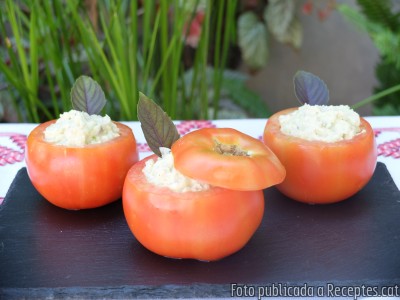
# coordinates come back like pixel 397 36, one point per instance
pixel 322 172
pixel 79 178
pixel 206 225
pixel 227 158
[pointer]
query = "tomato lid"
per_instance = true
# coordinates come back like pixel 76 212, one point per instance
pixel 227 158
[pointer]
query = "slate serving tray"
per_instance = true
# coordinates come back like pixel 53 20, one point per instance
pixel 46 251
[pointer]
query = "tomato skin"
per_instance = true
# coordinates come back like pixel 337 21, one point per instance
pixel 195 156
pixel 206 225
pixel 80 178
pixel 321 172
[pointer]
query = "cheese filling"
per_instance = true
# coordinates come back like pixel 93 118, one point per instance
pixel 78 129
pixel 162 173
pixel 321 123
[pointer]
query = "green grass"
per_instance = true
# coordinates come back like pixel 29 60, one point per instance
pixel 134 48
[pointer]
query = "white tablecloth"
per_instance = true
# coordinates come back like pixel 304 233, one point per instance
pixel 13 137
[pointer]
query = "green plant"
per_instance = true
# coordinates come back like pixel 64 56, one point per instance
pixel 382 23
pixel 233 92
pixel 260 19
pixel 126 46
pixel 41 59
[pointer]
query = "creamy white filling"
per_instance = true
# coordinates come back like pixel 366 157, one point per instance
pixel 321 123
pixel 78 129
pixel 162 173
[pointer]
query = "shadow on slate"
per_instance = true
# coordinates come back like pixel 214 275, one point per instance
pixel 47 251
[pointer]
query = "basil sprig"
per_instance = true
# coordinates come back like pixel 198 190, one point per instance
pixel 87 95
pixel 158 128
pixel 310 89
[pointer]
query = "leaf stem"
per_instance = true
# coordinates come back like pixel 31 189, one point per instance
pixel 165 54
pixel 203 48
pixel 377 96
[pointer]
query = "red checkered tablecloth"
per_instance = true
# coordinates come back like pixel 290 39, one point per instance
pixel 13 138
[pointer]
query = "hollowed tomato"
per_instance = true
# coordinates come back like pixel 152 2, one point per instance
pixel 227 158
pixel 206 225
pixel 80 177
pixel 322 172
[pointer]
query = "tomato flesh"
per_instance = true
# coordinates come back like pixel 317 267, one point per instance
pixel 322 172
pixel 227 158
pixel 80 177
pixel 206 225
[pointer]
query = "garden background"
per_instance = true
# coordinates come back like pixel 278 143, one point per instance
pixel 199 59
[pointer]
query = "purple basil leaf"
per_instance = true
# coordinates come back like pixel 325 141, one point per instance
pixel 87 96
pixel 310 89
pixel 158 128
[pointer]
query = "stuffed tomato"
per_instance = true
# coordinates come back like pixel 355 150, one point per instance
pixel 196 200
pixel 322 171
pixel 80 177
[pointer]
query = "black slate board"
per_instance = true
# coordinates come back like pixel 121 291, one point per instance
pixel 46 251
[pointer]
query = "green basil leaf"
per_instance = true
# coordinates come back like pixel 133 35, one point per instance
pixel 310 89
pixel 87 95
pixel 158 129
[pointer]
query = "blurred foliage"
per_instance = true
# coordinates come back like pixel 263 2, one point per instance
pixel 126 46
pixel 258 20
pixel 380 20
